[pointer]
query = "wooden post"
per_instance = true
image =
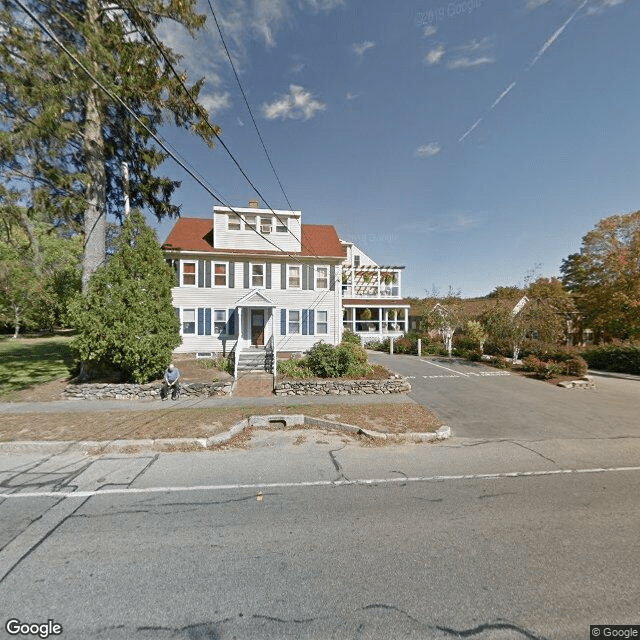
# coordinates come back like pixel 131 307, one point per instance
pixel 391 345
pixel 419 347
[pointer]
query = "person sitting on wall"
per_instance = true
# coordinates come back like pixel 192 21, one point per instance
pixel 171 377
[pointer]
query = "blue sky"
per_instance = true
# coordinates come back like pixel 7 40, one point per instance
pixel 471 141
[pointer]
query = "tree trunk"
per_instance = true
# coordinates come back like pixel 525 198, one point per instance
pixel 16 319
pixel 95 223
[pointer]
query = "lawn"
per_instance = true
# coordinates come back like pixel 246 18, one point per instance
pixel 27 362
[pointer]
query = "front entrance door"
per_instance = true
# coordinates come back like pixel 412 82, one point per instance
pixel 257 327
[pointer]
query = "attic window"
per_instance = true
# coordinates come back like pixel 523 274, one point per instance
pixel 250 223
pixel 356 261
pixel 234 222
pixel 265 225
pixel 281 225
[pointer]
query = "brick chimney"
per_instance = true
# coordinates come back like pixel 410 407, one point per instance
pixel 253 204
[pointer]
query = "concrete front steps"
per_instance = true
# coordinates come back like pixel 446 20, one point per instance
pixel 255 360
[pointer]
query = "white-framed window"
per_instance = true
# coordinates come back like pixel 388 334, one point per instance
pixel 257 275
pixel 234 222
pixel 219 321
pixel 356 260
pixel 188 321
pixel 282 225
pixel 188 274
pixel 294 321
pixel 266 224
pixel 294 281
pixel 250 222
pixel 322 277
pixel 219 274
pixel 322 322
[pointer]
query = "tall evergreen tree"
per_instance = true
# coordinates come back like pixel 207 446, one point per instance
pixel 126 319
pixel 63 137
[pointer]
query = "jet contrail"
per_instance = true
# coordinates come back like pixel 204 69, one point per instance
pixel 556 35
pixel 503 94
pixel 476 123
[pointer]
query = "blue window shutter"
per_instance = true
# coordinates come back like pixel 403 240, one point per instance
pixel 283 322
pixel 305 322
pixel 312 284
pixel 207 322
pixel 283 276
pixel 268 276
pixel 232 275
pixel 311 322
pixel 201 273
pixel 332 278
pixel 207 273
pixel 246 275
pixel 200 321
pixel 231 323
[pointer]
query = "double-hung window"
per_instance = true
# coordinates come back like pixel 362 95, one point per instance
pixel 322 324
pixel 219 274
pixel 294 321
pixel 281 225
pixel 265 224
pixel 322 277
pixel 188 321
pixel 188 274
pixel 257 275
pixel 294 276
pixel 250 223
pixel 234 222
pixel 219 321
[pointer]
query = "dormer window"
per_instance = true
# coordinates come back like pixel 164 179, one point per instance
pixel 265 225
pixel 250 223
pixel 234 223
pixel 281 225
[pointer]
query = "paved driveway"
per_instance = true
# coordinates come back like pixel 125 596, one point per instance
pixel 478 401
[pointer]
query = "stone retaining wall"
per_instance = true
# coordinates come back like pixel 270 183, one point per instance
pixel 104 391
pixel 395 384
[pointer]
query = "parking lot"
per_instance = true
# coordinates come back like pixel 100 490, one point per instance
pixel 478 401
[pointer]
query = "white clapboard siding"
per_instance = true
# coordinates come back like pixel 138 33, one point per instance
pixel 248 239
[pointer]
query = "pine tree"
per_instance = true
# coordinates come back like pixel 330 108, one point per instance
pixel 62 137
pixel 126 319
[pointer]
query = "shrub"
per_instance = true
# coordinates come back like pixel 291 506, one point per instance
pixel 294 368
pixel 379 345
pixel 623 358
pixel 347 359
pixel 351 337
pixel 547 368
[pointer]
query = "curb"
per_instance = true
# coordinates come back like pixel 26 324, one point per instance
pixel 613 374
pixel 94 447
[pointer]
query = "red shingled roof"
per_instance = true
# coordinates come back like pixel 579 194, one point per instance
pixel 196 234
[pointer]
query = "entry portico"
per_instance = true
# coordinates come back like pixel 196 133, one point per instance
pixel 256 324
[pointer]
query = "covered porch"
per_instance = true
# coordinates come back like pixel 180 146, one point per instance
pixel 372 320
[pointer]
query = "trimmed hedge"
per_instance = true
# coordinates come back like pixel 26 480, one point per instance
pixel 622 358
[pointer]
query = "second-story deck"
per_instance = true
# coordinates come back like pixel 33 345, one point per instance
pixel 372 281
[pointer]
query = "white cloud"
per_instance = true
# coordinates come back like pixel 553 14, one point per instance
pixel 214 103
pixel 473 54
pixel 360 48
pixel 351 96
pixel 599 6
pixel 535 4
pixel 298 67
pixel 322 5
pixel 429 31
pixel 435 55
pixel 298 103
pixel 428 150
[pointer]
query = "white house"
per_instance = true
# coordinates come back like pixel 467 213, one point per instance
pixel 372 297
pixel 255 283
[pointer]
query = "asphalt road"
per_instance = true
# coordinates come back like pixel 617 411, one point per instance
pixel 529 534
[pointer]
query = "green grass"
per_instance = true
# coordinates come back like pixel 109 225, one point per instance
pixel 26 362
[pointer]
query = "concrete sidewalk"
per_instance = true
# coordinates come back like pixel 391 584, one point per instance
pixel 84 406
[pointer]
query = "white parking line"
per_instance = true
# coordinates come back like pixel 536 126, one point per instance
pixel 481 374
pixel 447 368
pixel 316 483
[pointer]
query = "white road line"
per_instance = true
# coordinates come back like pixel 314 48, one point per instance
pixel 316 483
pixel 466 375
